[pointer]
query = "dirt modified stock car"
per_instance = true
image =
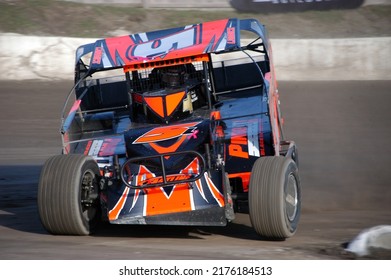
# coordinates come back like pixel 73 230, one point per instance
pixel 176 127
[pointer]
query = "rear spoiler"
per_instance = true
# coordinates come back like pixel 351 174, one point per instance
pixel 175 43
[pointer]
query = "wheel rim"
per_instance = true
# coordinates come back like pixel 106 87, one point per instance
pixel 89 195
pixel 291 198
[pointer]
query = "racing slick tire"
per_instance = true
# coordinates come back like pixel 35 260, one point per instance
pixel 274 197
pixel 68 195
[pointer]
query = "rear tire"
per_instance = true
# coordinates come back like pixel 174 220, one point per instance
pixel 275 197
pixel 68 195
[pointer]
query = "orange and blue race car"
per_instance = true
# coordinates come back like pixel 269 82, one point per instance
pixel 174 127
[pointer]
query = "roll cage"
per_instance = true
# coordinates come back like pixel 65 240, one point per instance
pixel 109 76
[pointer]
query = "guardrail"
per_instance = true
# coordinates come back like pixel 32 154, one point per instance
pixel 194 4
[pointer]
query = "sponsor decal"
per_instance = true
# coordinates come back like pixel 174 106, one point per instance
pixel 169 178
pixel 109 146
pixel 162 46
pixel 163 133
pixel 244 140
pixel 266 6
pixel 290 1
pixel 231 38
pixel 97 59
pixel 102 148
pixel 95 147
pixel 180 132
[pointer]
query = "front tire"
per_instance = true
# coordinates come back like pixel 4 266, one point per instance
pixel 68 195
pixel 275 197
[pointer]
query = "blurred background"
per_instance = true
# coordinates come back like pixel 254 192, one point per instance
pixel 313 32
pixel 283 18
pixel 332 59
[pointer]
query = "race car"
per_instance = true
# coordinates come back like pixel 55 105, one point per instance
pixel 174 127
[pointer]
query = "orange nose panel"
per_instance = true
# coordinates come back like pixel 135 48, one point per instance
pixel 164 108
pixel 173 101
pixel 156 104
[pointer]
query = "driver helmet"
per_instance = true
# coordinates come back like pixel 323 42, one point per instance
pixel 173 76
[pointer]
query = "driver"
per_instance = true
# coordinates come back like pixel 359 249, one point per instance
pixel 174 94
pixel 173 76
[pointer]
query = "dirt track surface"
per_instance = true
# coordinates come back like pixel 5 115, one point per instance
pixel 343 130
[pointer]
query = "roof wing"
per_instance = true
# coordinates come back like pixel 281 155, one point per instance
pixel 192 40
